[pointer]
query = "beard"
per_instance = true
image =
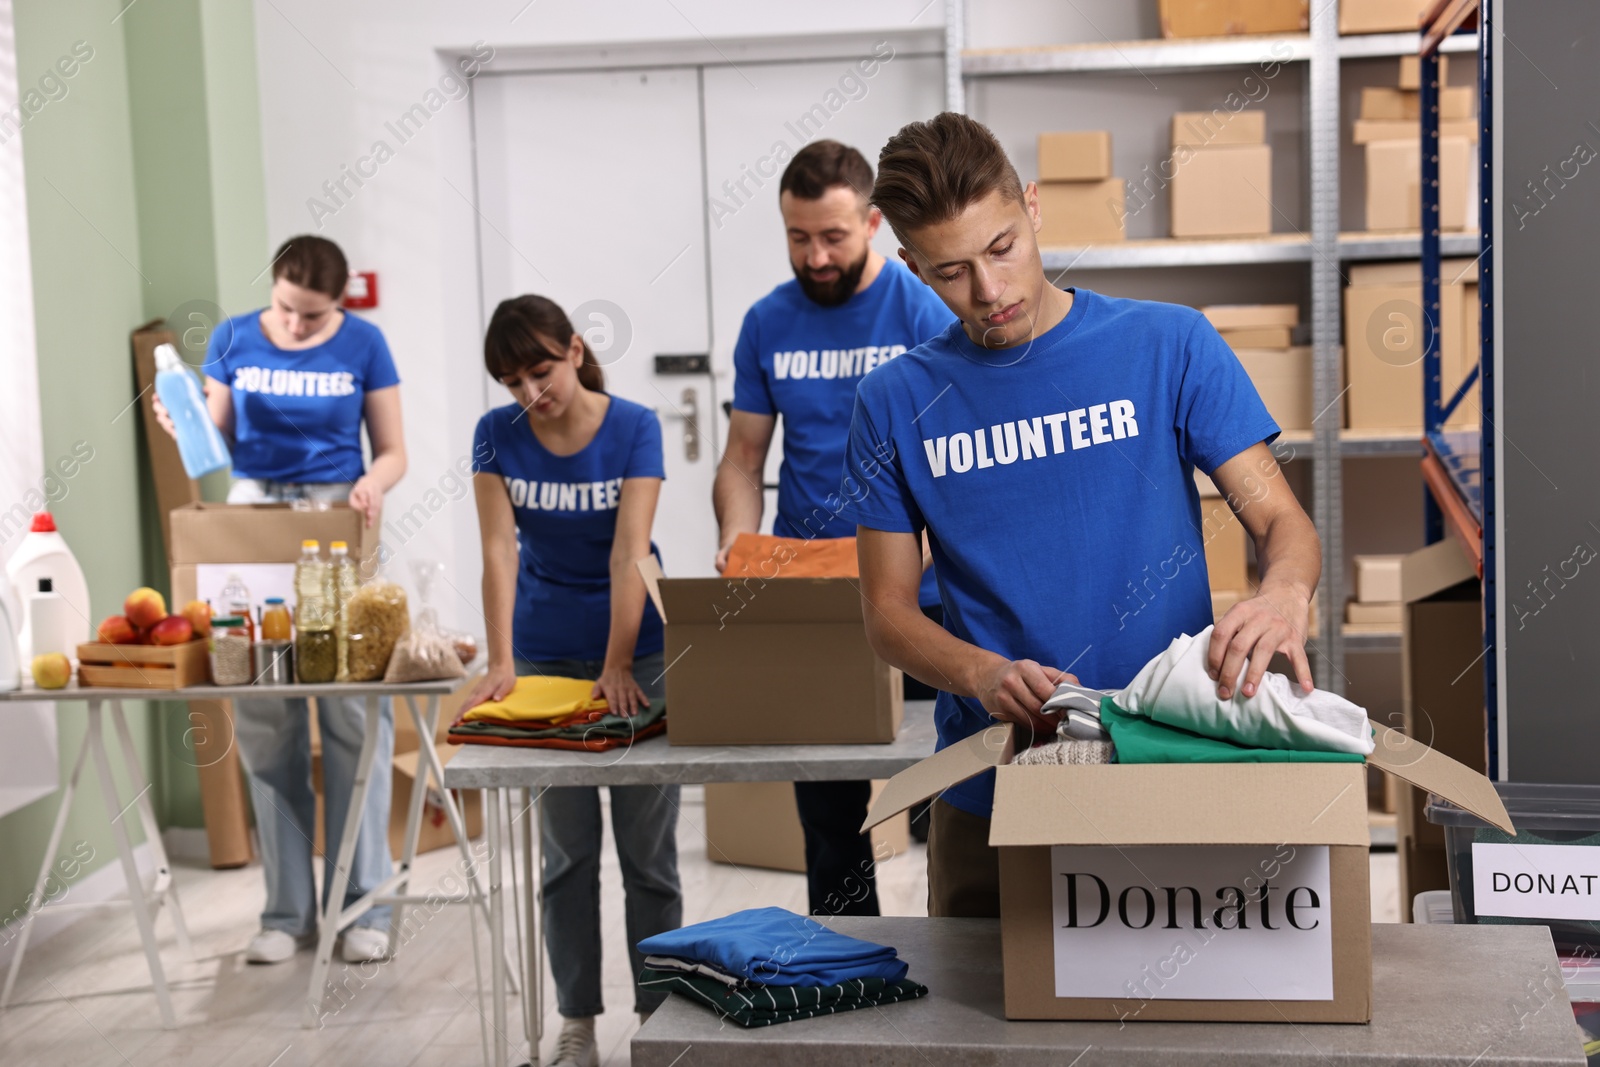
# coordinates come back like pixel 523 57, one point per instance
pixel 832 294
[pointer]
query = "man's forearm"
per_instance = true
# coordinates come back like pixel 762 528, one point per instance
pixel 1291 554
pixel 906 638
pixel 736 497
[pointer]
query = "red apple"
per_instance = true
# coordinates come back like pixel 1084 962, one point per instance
pixel 145 607
pixel 117 630
pixel 172 630
pixel 198 612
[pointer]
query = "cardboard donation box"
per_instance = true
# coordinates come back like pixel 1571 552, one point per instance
pixel 210 539
pixel 1233 892
pixel 760 660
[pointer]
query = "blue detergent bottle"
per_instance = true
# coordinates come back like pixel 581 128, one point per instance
pixel 200 443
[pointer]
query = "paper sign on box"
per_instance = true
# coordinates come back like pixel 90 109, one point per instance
pixel 1536 881
pixel 1126 922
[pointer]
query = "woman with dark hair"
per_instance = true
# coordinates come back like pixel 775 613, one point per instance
pixel 567 479
pixel 291 386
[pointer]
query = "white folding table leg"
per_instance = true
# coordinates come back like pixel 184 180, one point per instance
pixel 419 796
pixel 497 967
pixel 37 900
pixel 533 908
pixel 338 878
pixel 130 869
pixel 165 890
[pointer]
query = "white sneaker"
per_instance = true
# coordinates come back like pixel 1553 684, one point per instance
pixel 364 944
pixel 575 1045
pixel 273 946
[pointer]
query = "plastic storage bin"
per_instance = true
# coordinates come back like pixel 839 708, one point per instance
pixel 1564 815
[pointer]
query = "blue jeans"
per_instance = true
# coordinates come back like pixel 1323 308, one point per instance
pixel 275 744
pixel 644 821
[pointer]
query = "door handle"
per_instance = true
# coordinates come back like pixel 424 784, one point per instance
pixel 687 411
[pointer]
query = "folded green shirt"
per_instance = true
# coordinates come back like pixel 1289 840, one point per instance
pixel 766 1005
pixel 1141 740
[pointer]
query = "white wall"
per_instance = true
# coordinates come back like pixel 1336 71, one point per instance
pixel 332 75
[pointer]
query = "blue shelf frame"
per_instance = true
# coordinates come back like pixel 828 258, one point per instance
pixel 1466 458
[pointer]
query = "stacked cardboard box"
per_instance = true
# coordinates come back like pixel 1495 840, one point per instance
pixel 1081 203
pixel 1222 174
pixel 1384 333
pixel 1259 335
pixel 1377 604
pixel 1227 18
pixel 1381 16
pixel 1390 132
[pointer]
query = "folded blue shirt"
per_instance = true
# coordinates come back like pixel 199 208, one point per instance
pixel 773 946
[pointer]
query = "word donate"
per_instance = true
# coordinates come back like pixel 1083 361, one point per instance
pixel 1536 881
pixel 1192 922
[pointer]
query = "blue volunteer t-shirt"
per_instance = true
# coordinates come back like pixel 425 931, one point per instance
pixel 297 413
pixel 566 511
pixel 1057 487
pixel 800 360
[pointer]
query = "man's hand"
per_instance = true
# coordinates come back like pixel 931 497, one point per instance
pixel 1015 691
pixel 1274 620
pixel 722 554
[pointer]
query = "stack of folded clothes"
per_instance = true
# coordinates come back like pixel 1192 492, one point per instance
pixel 768 965
pixel 545 712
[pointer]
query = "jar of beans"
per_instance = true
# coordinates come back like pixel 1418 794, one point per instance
pixel 230 651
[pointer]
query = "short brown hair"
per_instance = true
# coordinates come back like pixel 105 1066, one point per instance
pixel 314 263
pixel 932 171
pixel 512 343
pixel 820 166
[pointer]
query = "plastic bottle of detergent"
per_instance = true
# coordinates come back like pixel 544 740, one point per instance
pixel 199 441
pixel 44 554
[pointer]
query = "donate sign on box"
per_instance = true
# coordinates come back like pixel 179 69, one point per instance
pixel 1205 922
pixel 1536 881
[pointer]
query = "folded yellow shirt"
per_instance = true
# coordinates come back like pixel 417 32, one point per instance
pixel 540 698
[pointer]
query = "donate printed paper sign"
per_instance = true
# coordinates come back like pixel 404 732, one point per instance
pixel 1200 922
pixel 1536 881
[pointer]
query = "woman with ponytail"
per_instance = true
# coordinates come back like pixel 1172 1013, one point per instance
pixel 566 480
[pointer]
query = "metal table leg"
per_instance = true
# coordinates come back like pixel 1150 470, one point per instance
pixel 165 891
pixel 338 878
pixel 130 869
pixel 533 908
pixel 36 901
pixel 497 968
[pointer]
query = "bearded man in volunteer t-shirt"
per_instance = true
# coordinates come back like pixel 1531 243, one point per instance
pixel 1046 445
pixel 801 351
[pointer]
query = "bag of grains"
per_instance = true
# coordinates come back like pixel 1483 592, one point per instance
pixel 378 618
pixel 427 653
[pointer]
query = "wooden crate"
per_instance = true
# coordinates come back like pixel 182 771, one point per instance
pixel 144 666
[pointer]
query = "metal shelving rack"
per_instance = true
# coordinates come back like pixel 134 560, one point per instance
pixel 1322 250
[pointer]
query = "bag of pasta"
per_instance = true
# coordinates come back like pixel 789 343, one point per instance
pixel 427 653
pixel 377 618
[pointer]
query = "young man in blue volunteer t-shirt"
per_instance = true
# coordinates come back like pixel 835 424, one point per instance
pixel 801 351
pixel 1046 446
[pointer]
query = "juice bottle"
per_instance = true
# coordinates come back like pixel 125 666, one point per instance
pixel 346 580
pixel 275 620
pixel 235 599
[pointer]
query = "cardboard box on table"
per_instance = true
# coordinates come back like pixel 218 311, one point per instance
pixel 780 661
pixel 1441 664
pixel 226 535
pixel 756 824
pixel 1216 841
pixel 1227 18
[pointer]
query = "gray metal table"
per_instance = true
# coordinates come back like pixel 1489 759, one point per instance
pixel 334 918
pixel 1442 996
pixel 529 771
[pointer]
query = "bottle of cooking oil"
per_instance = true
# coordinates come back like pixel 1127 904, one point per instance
pixel 346 580
pixel 316 653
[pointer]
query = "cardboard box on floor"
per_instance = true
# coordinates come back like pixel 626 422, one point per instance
pixel 1441 665
pixel 784 661
pixel 1227 18
pixel 1383 332
pixel 1075 156
pixel 756 824
pixel 1082 213
pixel 1091 858
pixel 1381 16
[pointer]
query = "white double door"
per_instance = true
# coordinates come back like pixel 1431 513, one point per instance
pixel 645 203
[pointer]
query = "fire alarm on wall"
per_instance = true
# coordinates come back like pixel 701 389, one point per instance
pixel 362 290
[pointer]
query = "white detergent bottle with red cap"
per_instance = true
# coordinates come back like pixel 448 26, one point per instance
pixel 44 555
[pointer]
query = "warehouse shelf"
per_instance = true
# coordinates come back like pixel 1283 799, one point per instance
pixel 1365 639
pixel 1239 251
pixel 1355 444
pixel 1136 57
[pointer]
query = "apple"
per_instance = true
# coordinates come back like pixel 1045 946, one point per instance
pixel 172 630
pixel 198 612
pixel 52 671
pixel 145 607
pixel 117 630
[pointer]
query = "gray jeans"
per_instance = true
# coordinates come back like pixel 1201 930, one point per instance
pixel 644 821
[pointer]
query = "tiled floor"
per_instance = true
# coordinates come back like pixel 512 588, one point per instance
pixel 83 999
